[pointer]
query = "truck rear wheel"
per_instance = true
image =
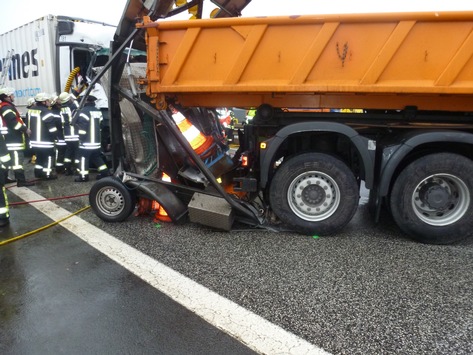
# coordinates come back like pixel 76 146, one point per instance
pixel 111 200
pixel 431 199
pixel 314 193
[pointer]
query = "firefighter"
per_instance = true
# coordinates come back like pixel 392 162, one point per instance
pixel 68 106
pixel 60 145
pixel 4 159
pixel 101 103
pixel 87 122
pixel 44 132
pixel 15 132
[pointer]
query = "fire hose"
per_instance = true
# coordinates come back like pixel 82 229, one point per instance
pixel 14 239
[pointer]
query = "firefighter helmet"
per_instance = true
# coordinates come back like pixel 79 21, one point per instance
pixel 7 91
pixel 64 97
pixel 41 97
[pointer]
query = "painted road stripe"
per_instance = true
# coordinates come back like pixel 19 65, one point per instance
pixel 250 329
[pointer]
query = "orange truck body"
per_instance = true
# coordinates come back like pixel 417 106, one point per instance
pixel 384 61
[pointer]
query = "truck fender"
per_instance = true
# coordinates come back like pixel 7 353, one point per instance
pixel 175 208
pixel 362 144
pixel 394 155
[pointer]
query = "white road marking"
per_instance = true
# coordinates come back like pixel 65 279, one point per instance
pixel 250 329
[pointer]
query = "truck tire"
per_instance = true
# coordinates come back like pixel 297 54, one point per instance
pixel 314 193
pixel 111 200
pixel 431 199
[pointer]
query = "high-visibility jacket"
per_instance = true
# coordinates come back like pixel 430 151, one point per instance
pixel 88 124
pixel 43 125
pixel 67 110
pixel 14 128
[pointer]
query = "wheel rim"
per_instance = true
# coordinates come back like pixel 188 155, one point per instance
pixel 441 199
pixel 313 196
pixel 110 201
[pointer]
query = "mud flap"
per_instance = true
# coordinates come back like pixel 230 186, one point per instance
pixel 174 207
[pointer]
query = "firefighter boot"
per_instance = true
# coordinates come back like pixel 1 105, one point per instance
pixel 69 170
pixel 38 173
pixel 21 180
pixel 4 221
pixel 7 179
pixel 81 178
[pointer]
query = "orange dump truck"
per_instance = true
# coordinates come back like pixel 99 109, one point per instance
pixel 380 99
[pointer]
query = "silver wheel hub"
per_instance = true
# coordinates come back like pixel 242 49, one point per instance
pixel 441 199
pixel 313 196
pixel 110 201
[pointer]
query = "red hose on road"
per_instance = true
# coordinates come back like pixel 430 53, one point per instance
pixel 46 199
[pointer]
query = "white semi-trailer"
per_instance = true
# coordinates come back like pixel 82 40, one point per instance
pixel 43 55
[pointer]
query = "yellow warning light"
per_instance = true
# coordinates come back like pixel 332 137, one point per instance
pixel 262 145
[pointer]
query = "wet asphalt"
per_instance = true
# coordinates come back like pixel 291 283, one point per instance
pixel 367 290
pixel 58 295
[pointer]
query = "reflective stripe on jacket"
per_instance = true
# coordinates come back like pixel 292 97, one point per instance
pixel 88 124
pixel 13 127
pixel 42 123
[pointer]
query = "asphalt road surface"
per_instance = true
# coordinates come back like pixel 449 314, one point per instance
pixel 367 290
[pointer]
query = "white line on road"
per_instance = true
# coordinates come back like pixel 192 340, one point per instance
pixel 252 330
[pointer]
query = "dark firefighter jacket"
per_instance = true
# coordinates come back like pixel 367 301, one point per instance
pixel 13 127
pixel 43 126
pixel 67 109
pixel 88 123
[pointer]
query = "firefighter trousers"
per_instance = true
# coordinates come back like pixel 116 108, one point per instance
pixel 44 162
pixel 91 156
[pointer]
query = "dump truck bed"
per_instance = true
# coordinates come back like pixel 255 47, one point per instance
pixel 386 61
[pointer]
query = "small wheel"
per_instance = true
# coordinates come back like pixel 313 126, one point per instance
pixel 111 200
pixel 314 193
pixel 431 199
